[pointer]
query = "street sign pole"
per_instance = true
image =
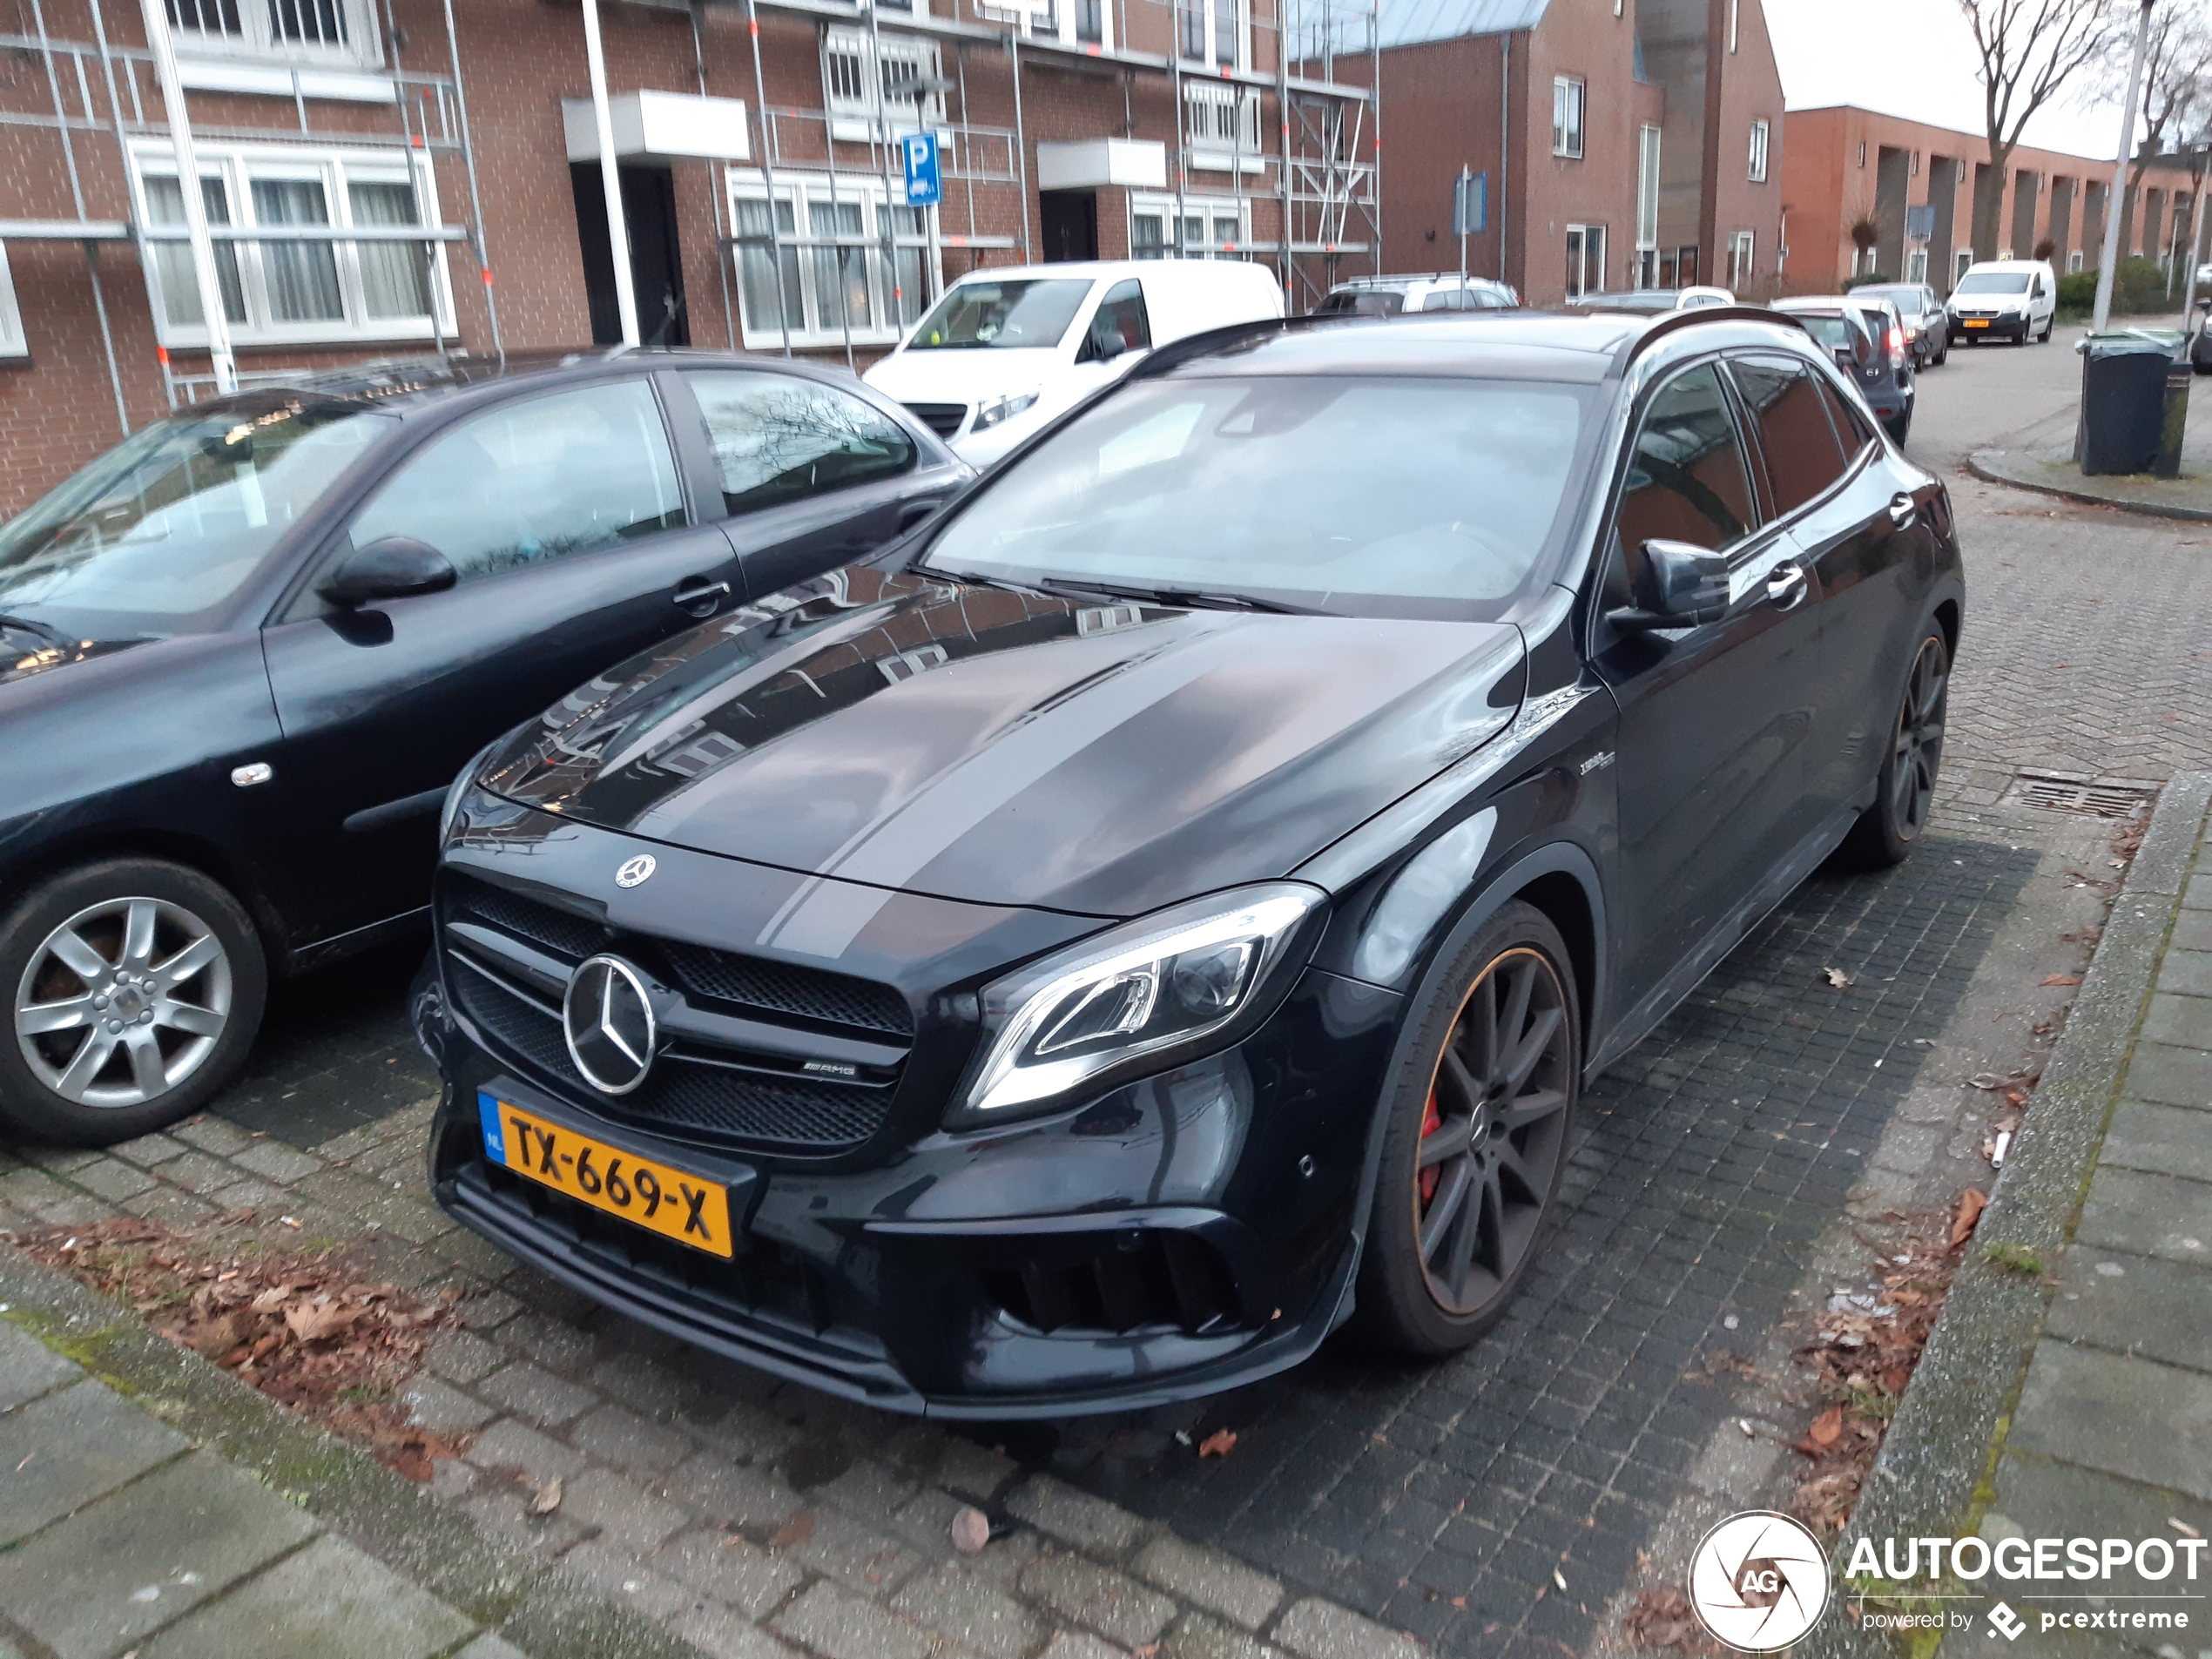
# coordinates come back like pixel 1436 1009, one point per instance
pixel 1457 214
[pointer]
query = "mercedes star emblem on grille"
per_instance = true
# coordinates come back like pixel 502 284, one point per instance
pixel 634 871
pixel 607 1020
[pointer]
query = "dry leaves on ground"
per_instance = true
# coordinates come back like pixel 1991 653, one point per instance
pixel 308 1331
pixel 1220 1443
pixel 1663 1619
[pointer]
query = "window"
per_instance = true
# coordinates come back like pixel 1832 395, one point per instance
pixel 1567 93
pixel 316 31
pixel 1758 153
pixel 1647 195
pixel 776 439
pixel 529 483
pixel 819 267
pixel 1916 266
pixel 292 291
pixel 905 64
pixel 1221 124
pixel 1212 228
pixel 1121 324
pixel 2074 259
pixel 1585 259
pixel 1802 455
pixel 1964 257
pixel 12 343
pixel 1739 259
pixel 1687 479
pixel 1850 424
pixel 1212 32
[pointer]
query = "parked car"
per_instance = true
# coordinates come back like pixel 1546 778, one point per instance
pixel 1927 331
pixel 1008 350
pixel 1866 338
pixel 1657 299
pixel 246 651
pixel 1082 957
pixel 2200 336
pixel 1391 296
pixel 2004 300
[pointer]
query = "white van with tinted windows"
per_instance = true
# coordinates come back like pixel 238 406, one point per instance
pixel 1005 350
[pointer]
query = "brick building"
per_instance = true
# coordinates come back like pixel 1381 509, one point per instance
pixel 1915 184
pixel 758 150
pixel 1623 143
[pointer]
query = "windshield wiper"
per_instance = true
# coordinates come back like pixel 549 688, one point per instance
pixel 1188 598
pixel 23 624
pixel 981 581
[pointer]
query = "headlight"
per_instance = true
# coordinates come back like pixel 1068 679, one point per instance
pixel 458 789
pixel 993 410
pixel 1170 981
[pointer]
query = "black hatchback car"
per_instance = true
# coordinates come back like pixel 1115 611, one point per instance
pixel 243 655
pixel 1867 339
pixel 1174 903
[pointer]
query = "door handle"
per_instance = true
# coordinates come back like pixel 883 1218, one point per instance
pixel 1904 512
pixel 1786 586
pixel 697 591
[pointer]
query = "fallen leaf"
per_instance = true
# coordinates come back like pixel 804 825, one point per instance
pixel 315 1321
pixel 1972 1202
pixel 2062 978
pixel 217 1337
pixel 547 1498
pixel 798 1530
pixel 971 1530
pixel 270 1301
pixel 1220 1443
pixel 413 1462
pixel 1837 977
pixel 1826 1426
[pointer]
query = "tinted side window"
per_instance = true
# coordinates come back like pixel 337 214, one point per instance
pixel 1121 311
pixel 1802 457
pixel 1445 299
pixel 1687 479
pixel 1851 425
pixel 776 438
pixel 542 479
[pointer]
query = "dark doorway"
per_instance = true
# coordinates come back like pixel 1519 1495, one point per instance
pixel 1071 223
pixel 655 266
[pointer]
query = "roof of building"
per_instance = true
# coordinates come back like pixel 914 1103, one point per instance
pixel 1408 22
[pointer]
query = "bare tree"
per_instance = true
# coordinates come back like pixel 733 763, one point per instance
pixel 2030 49
pixel 2175 95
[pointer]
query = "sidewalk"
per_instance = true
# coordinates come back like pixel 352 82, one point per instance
pixel 2040 457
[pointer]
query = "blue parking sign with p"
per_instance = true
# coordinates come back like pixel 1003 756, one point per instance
pixel 925 183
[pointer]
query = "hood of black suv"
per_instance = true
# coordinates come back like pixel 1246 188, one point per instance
pixel 984 743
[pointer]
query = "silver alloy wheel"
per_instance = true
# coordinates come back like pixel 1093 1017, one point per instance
pixel 1920 740
pixel 123 1001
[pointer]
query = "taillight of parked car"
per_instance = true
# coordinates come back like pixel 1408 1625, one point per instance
pixel 1896 347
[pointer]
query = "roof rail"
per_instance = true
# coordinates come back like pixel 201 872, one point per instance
pixel 1177 353
pixel 1673 322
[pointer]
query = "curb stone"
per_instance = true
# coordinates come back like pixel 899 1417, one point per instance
pixel 539 1608
pixel 1984 465
pixel 1930 1476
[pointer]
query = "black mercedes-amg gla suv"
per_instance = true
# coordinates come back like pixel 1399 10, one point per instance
pixel 1170 906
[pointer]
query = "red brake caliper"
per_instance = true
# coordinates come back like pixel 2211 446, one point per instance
pixel 1432 1120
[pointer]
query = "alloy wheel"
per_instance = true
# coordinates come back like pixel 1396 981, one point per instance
pixel 1920 740
pixel 1494 1131
pixel 123 1001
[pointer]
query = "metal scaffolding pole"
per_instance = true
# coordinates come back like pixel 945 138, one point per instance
pixel 476 201
pixel 609 175
pixel 1020 145
pixel 721 248
pixel 220 359
pixel 768 172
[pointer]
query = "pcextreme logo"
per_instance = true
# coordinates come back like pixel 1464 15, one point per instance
pixel 1759 1581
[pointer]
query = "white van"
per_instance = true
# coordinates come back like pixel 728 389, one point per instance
pixel 2011 300
pixel 1005 350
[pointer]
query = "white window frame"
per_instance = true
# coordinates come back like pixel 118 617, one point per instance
pixel 847 56
pixel 1213 210
pixel 257 40
pixel 1221 126
pixel 1591 274
pixel 1205 11
pixel 1916 266
pixel 820 329
pixel 238 165
pixel 12 343
pixel 1742 254
pixel 1761 132
pixel 1648 154
pixel 1570 114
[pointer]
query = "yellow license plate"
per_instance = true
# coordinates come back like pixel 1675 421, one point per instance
pixel 1977 322
pixel 673 1202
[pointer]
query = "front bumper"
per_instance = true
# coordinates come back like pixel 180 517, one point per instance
pixel 1175 1236
pixel 1968 329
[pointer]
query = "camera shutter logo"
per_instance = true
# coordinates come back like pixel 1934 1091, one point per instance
pixel 607 1021
pixel 634 871
pixel 1759 1581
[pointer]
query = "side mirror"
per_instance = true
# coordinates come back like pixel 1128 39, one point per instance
pixel 392 567
pixel 1103 346
pixel 1846 358
pixel 1680 585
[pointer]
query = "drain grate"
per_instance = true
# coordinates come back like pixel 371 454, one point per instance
pixel 2107 799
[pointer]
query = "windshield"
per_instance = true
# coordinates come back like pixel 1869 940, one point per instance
pixel 1992 282
pixel 1909 302
pixel 1010 314
pixel 1365 496
pixel 172 521
pixel 1644 299
pixel 1831 332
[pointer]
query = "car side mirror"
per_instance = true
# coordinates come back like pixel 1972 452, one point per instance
pixel 1847 357
pixel 392 567
pixel 1678 585
pixel 1104 346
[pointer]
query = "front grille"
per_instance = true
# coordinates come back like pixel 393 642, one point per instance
pixel 733 1096
pixel 1117 1281
pixel 943 419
